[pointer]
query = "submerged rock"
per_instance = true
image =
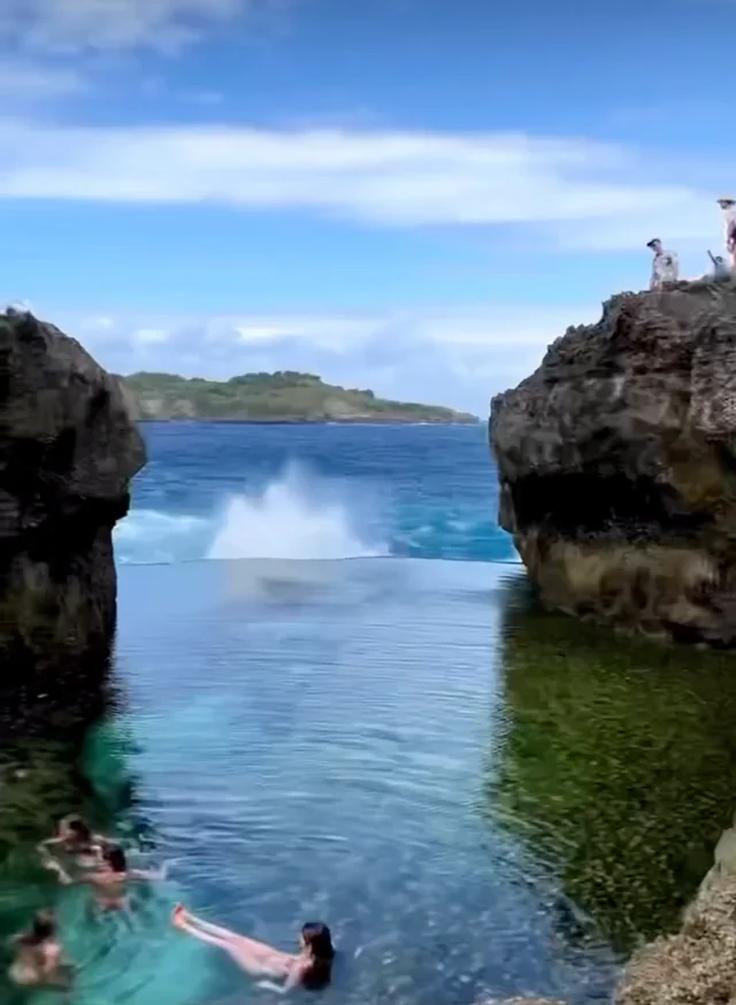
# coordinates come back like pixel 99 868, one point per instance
pixel 612 746
pixel 617 463
pixel 698 965
pixel 68 450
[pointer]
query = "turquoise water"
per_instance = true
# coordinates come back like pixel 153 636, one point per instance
pixel 478 798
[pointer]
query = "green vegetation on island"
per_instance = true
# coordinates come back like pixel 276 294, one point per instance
pixel 285 396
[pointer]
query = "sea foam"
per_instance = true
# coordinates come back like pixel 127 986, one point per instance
pixel 297 516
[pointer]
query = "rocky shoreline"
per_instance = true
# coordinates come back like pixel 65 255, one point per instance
pixel 695 966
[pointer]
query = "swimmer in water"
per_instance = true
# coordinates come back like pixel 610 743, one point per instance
pixel 110 880
pixel 38 956
pixel 311 967
pixel 75 839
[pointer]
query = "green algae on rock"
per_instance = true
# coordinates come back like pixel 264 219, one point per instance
pixel 618 766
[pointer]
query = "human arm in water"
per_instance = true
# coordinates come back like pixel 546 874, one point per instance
pixel 256 958
pixel 102 878
pixel 53 865
pixel 44 849
pixel 92 850
pixel 150 875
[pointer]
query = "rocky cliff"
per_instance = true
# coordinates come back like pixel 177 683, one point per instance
pixel 617 463
pixel 68 450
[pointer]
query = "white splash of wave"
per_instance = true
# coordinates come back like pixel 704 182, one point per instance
pixel 298 516
pixel 289 520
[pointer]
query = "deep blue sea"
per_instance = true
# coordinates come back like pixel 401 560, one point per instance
pixel 314 492
pixel 335 698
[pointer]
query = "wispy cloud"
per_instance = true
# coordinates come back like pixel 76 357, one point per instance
pixel 587 193
pixel 78 25
pixel 23 80
pixel 457 356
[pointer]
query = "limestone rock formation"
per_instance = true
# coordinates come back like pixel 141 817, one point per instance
pixel 68 450
pixel 617 463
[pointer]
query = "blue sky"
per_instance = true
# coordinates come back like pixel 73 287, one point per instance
pixel 413 195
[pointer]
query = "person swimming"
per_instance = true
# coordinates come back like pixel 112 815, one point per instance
pixel 75 839
pixel 310 968
pixel 110 880
pixel 39 957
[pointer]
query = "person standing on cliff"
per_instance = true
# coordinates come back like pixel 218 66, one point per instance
pixel 665 267
pixel 728 205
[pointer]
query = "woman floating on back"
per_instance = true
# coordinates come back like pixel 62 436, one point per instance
pixel 38 956
pixel 311 967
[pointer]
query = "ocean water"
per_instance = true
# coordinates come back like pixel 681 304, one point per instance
pixel 314 492
pixel 333 697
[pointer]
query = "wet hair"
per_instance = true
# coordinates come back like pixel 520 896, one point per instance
pixel 43 927
pixel 79 828
pixel 318 941
pixel 115 857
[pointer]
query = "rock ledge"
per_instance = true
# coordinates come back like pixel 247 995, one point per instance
pixel 617 463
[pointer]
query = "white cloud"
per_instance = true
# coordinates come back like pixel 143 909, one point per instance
pixel 75 25
pixel 585 193
pixel 335 334
pixel 458 357
pixel 24 80
pixel 151 336
pixel 97 324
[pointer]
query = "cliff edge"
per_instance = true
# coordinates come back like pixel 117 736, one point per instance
pixel 617 464
pixel 68 450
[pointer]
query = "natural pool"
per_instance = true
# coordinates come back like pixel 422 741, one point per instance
pixel 479 798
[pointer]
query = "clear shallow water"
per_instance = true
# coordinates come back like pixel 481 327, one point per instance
pixel 480 799
pixel 316 739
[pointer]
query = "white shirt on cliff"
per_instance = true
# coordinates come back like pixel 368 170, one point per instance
pixel 665 269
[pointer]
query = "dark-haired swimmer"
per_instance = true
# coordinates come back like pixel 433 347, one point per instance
pixel 38 958
pixel 74 838
pixel 311 967
pixel 110 880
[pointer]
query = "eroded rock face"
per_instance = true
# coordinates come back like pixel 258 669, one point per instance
pixel 617 462
pixel 68 450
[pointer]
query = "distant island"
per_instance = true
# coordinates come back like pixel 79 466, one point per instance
pixel 285 396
